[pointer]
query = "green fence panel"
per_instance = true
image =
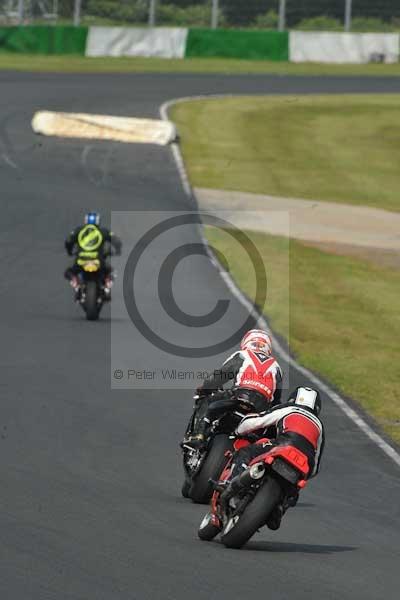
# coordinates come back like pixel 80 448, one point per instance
pixel 69 40
pixel 43 39
pixel 230 43
pixel 24 39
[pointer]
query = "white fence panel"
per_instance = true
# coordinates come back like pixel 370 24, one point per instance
pixel 165 42
pixel 327 47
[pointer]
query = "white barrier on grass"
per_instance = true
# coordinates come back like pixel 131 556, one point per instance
pixel 327 47
pixel 164 42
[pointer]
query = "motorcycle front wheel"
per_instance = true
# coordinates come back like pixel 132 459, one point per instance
pixel 207 530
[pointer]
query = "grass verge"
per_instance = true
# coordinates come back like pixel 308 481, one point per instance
pixel 341 148
pixel 344 321
pixel 81 64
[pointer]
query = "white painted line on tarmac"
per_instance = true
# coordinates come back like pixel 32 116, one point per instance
pixel 9 161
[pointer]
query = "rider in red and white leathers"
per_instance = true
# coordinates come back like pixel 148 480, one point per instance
pixel 297 424
pixel 257 379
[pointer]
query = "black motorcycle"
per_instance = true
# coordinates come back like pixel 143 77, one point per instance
pixel 93 287
pixel 203 465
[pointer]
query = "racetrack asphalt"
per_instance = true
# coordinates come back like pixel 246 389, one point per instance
pixel 90 504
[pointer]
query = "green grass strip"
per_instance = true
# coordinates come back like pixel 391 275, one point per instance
pixel 343 323
pixel 339 148
pixel 78 64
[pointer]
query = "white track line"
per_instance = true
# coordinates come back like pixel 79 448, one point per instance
pixel 8 160
pixel 335 397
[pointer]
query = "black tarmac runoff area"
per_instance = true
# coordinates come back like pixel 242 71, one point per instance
pixel 90 504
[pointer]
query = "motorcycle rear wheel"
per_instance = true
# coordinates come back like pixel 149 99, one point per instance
pixel 91 305
pixel 254 516
pixel 185 490
pixel 201 489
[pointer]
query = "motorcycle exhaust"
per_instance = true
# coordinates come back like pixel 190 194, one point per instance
pixel 252 474
pixel 257 471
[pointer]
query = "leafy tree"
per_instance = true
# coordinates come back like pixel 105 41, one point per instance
pixel 243 13
pixel 268 20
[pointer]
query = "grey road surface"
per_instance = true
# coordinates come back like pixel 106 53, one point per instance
pixel 89 503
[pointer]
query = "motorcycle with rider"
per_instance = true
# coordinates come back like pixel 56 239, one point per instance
pixel 256 380
pixel 264 475
pixel 91 276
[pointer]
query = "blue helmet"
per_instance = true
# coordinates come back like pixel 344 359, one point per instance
pixel 92 218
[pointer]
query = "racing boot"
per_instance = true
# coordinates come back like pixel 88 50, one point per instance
pixel 195 441
pixel 108 283
pixel 198 440
pixel 275 518
pixel 74 282
pixel 292 499
pixel 219 486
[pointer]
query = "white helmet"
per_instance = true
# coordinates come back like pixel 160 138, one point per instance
pixel 258 341
pixel 308 398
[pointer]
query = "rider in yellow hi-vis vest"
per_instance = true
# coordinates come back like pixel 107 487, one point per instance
pixel 93 243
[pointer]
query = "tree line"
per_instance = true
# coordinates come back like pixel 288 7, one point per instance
pixel 240 13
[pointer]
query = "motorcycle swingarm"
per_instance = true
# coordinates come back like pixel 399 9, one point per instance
pixel 239 510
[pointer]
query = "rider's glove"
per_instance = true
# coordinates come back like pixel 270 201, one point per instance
pixel 248 407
